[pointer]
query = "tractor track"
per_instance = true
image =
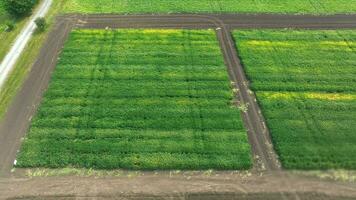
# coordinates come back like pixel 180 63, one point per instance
pixel 17 119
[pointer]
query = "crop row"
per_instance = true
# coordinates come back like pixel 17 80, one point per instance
pixel 162 101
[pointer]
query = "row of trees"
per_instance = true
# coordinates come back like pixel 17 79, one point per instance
pixel 19 8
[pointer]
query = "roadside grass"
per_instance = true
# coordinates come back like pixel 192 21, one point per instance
pixel 25 61
pixel 138 99
pixel 84 172
pixel 305 82
pixel 8 38
pixel 334 175
pixel 38 172
pixel 209 6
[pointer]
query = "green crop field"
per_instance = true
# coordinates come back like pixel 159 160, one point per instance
pixel 305 82
pixel 212 6
pixel 138 99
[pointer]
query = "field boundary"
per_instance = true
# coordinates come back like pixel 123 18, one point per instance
pixel 17 119
pixel 265 157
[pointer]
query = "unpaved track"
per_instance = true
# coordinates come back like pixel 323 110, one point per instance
pixel 210 21
pixel 265 158
pixel 17 119
pixel 179 186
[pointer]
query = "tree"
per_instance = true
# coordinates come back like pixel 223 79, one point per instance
pixel 19 8
pixel 41 23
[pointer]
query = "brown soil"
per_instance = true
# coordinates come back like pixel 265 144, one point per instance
pixel 188 185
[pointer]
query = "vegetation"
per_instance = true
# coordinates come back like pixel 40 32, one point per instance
pixel 212 6
pixel 2 8
pixel 306 85
pixel 10 27
pixel 19 8
pixel 41 24
pixel 28 57
pixel 4 18
pixel 138 99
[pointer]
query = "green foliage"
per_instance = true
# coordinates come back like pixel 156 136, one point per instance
pixel 2 8
pixel 212 6
pixel 306 85
pixel 41 24
pixel 19 8
pixel 138 99
pixel 10 25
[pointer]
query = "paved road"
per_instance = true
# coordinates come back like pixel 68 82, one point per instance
pixel 10 59
pixel 18 117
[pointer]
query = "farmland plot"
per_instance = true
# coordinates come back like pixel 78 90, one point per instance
pixel 305 82
pixel 211 6
pixel 138 99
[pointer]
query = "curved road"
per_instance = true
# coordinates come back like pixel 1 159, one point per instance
pixel 10 59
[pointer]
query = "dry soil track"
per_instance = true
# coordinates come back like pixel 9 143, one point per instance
pixel 13 127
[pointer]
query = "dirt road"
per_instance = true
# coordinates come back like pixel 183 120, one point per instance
pixel 17 119
pixel 211 21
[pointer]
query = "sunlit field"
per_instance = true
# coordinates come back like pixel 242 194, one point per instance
pixel 212 6
pixel 138 99
pixel 306 85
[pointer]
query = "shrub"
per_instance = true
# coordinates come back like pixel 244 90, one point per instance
pixel 41 23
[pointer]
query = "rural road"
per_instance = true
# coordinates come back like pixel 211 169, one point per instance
pixel 231 21
pixel 17 119
pixel 10 59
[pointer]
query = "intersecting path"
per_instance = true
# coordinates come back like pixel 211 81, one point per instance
pixel 16 122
